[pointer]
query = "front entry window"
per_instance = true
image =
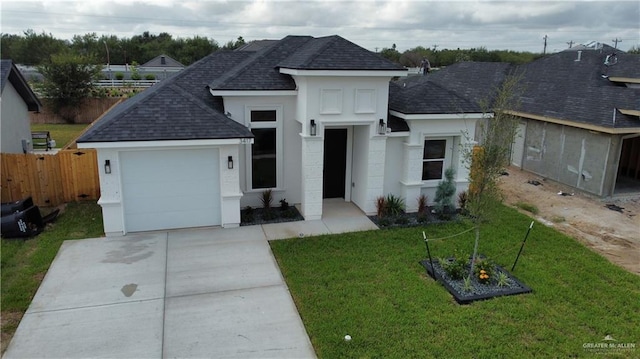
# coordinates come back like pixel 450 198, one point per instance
pixel 266 151
pixel 263 158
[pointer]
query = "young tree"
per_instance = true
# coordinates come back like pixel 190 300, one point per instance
pixel 68 81
pixel 489 159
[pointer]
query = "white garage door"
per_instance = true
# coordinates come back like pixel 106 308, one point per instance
pixel 170 189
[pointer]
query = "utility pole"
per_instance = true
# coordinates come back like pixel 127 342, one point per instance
pixel 435 47
pixel 376 49
pixel 544 51
pixel 570 43
pixel 108 60
pixel 616 41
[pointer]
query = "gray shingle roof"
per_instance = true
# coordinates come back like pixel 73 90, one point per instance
pixel 10 73
pixel 476 81
pixel 421 96
pixel 180 108
pixel 555 86
pixel 336 53
pixel 558 86
pixel 262 70
pixel 259 71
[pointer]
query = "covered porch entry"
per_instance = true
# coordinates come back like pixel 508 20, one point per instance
pixel 344 163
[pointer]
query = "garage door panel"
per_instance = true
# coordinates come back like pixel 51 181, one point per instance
pixel 168 204
pixel 152 188
pixel 170 189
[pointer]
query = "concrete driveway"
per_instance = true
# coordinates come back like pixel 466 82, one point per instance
pixel 209 293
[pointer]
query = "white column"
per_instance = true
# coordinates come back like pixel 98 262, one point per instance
pixel 375 172
pixel 312 166
pixel 110 198
pixel 230 193
pixel 411 175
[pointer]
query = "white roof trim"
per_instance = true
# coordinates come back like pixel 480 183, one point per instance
pixel 345 73
pixel 439 116
pixel 253 92
pixel 171 143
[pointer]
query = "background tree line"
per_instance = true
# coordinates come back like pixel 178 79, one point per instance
pixel 438 58
pixel 36 49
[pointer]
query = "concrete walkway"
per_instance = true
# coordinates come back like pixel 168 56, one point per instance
pixel 208 293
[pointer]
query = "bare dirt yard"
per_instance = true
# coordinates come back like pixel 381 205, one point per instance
pixel 613 233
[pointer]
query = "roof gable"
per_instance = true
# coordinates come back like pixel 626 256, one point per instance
pixel 336 53
pixel 260 71
pixel 162 61
pixel 10 73
pixel 179 108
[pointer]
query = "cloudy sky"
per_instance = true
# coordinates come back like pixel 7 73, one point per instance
pixel 514 25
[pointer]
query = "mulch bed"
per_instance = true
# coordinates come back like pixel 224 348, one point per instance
pixel 477 290
pixel 253 216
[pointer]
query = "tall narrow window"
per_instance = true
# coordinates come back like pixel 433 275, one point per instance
pixel 264 156
pixel 433 159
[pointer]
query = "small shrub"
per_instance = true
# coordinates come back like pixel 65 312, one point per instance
pixel 483 270
pixel 456 267
pixel 422 204
pixel 444 195
pixel 467 284
pixel 119 76
pixel 463 198
pixel 150 77
pixel 381 206
pixel 284 205
pixel 527 207
pixel 503 279
pixel 558 219
pixel 267 199
pixel 394 205
pixel 136 76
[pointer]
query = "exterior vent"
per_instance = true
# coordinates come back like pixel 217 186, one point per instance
pixel 163 60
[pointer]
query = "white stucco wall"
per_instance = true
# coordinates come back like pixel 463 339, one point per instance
pixel 357 103
pixel 459 131
pixel 289 162
pixel 14 121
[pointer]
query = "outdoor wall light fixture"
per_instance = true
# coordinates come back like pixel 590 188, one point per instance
pixel 107 166
pixel 382 128
pixel 230 162
pixel 312 130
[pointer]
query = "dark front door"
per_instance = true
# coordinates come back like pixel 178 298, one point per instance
pixel 335 163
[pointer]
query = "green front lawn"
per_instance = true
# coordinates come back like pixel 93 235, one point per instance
pixel 370 285
pixel 61 133
pixel 25 262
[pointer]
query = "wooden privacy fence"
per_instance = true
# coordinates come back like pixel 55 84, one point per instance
pixel 69 175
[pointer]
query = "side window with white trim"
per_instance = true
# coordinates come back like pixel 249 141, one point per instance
pixel 434 159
